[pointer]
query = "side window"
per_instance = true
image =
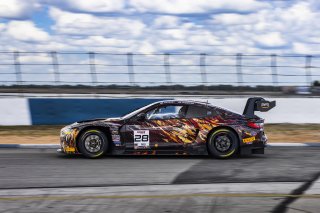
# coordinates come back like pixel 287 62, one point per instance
pixel 199 112
pixel 166 112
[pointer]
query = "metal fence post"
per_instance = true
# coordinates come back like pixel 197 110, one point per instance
pixel 203 68
pixel 166 61
pixel 93 68
pixel 308 69
pixel 274 70
pixel 55 65
pixel 239 68
pixel 16 56
pixel 130 68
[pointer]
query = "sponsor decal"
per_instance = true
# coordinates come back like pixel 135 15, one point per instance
pixel 141 139
pixel 117 143
pixel 116 137
pixel 248 140
pixel 265 105
pixel 70 149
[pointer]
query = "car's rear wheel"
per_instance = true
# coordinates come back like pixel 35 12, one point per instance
pixel 93 143
pixel 223 143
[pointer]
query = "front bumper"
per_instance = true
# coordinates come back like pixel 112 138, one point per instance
pixel 60 152
pixel 68 141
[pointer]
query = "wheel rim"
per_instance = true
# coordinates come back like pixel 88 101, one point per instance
pixel 93 143
pixel 222 143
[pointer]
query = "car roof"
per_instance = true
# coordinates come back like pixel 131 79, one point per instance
pixel 190 102
pixel 185 102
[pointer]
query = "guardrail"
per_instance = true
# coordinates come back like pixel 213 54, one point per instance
pixel 99 68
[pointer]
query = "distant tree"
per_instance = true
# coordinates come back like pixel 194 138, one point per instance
pixel 316 83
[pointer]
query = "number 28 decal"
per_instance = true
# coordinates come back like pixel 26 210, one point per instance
pixel 141 139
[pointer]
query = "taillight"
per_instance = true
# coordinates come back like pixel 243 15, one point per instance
pixel 254 125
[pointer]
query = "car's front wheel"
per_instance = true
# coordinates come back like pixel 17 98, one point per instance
pixel 223 143
pixel 93 143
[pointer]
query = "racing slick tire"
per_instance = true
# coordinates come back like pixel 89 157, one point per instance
pixel 223 143
pixel 93 143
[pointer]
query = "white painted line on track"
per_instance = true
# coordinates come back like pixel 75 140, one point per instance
pixel 166 189
pixel 53 146
pixel 30 146
pixel 293 144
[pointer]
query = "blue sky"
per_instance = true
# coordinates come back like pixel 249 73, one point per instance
pixel 224 26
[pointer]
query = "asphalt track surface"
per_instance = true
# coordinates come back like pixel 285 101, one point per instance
pixel 285 179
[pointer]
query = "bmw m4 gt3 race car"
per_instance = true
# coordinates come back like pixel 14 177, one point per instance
pixel 171 127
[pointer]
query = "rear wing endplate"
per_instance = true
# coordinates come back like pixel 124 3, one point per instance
pixel 257 104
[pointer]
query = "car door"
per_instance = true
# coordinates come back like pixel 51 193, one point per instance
pixel 164 128
pixel 203 118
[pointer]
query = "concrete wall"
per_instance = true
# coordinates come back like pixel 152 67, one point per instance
pixel 14 111
pixel 287 110
pixel 40 111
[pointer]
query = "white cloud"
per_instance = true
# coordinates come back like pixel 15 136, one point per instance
pixel 166 22
pixel 39 58
pixel 164 45
pixel 268 30
pixel 228 26
pixel 94 6
pixel 305 48
pixel 2 27
pixel 158 6
pixel 146 47
pixel 93 41
pixel 178 33
pixel 26 31
pixel 199 6
pixel 273 39
pixel 17 9
pixel 87 24
pixel 233 19
pixel 300 12
pixel 203 38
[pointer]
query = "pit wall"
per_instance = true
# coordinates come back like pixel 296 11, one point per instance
pixel 42 111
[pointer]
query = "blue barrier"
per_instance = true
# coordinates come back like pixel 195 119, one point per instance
pixel 66 111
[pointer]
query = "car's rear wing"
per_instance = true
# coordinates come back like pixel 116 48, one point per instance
pixel 257 104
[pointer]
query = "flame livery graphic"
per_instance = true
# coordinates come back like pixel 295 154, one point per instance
pixel 171 127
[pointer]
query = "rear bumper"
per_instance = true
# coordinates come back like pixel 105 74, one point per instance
pixel 248 150
pixel 257 147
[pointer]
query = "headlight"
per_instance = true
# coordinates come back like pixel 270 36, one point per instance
pixel 65 131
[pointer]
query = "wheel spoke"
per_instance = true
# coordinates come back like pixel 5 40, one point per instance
pixel 222 143
pixel 93 143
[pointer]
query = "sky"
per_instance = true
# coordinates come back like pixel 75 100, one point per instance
pixel 211 26
pixel 160 26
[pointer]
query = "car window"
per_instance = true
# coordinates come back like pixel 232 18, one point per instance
pixel 199 112
pixel 136 112
pixel 166 112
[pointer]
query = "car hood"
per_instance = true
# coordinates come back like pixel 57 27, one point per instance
pixel 97 121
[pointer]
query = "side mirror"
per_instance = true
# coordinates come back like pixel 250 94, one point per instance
pixel 141 117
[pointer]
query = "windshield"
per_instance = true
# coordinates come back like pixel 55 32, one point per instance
pixel 135 112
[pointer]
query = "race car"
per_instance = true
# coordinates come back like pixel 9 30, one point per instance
pixel 180 127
